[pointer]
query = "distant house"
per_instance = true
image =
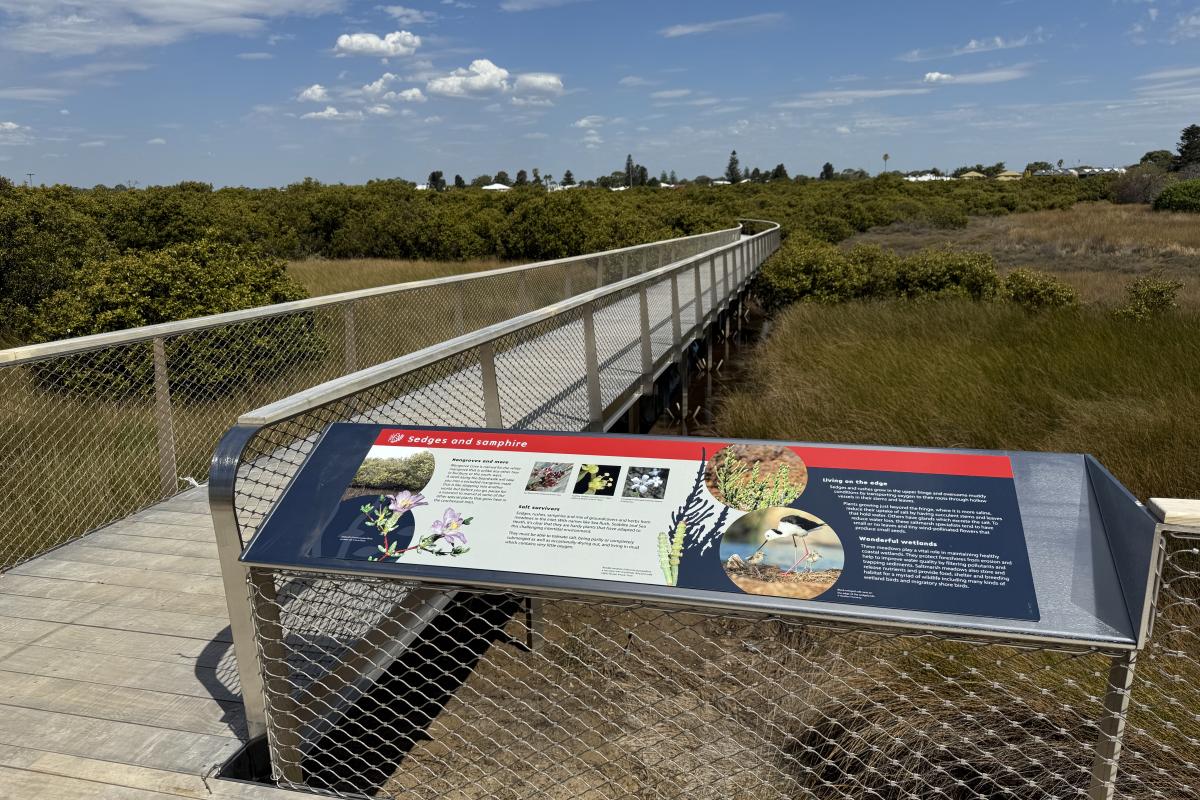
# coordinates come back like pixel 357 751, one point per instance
pixel 496 187
pixel 926 177
pixel 1056 173
pixel 720 183
pixel 972 175
pixel 1088 172
pixel 618 188
pixel 421 187
pixel 1009 175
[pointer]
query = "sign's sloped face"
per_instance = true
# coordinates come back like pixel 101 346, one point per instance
pixel 786 526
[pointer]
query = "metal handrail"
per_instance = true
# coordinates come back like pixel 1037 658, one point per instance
pixel 81 344
pixel 347 385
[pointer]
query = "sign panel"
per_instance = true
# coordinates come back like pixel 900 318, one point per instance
pixel 896 529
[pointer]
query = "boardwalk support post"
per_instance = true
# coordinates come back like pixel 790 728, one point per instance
pixel 350 337
pixel 592 362
pixel 491 387
pixel 1112 727
pixel 164 422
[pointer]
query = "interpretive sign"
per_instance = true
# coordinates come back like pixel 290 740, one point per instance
pixel 888 528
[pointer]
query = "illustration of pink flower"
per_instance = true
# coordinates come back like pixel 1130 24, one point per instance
pixel 406 501
pixel 449 527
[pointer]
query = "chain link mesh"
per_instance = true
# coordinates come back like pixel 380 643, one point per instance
pixel 113 430
pixel 519 696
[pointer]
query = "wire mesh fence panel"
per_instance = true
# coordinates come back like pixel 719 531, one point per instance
pixel 618 344
pixel 446 392
pixel 599 699
pixel 79 446
pixel 108 431
pixel 1161 754
pixel 540 370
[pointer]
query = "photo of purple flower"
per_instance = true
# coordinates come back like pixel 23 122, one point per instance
pixel 406 501
pixel 448 537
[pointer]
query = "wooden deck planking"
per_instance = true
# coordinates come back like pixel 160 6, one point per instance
pixel 114 596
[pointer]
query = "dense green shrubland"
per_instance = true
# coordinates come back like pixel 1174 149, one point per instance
pixel 59 238
pixel 809 270
pixel 1181 196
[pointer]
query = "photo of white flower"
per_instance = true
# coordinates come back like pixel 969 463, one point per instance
pixel 648 483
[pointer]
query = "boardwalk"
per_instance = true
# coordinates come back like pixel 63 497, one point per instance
pixel 117 671
pixel 116 667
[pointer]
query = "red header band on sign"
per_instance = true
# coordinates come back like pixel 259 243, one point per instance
pixel 913 461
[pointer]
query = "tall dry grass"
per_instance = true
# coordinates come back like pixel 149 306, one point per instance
pixel 983 375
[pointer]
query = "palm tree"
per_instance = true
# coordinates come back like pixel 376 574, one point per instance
pixel 885 160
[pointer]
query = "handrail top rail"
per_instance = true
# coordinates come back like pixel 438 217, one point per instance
pixel 96 341
pixel 338 388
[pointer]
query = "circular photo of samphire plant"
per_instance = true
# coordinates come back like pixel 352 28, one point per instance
pixel 783 552
pixel 750 477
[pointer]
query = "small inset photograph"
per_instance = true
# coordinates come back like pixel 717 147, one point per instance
pixel 649 483
pixel 549 477
pixel 782 552
pixel 392 470
pixel 750 477
pixel 597 479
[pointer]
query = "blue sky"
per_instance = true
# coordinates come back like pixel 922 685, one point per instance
pixel 266 92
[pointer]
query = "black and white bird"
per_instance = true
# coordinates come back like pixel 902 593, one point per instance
pixel 799 529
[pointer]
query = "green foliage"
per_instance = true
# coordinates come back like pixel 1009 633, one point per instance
pixel 411 473
pixel 178 282
pixel 947 272
pixel 745 488
pixel 1149 297
pixel 1141 184
pixel 1036 290
pixel 1181 196
pixel 1162 159
pixel 1189 148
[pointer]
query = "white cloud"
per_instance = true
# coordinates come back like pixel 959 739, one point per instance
pixel 156 140
pixel 70 27
pixel 34 94
pixel 380 110
pixel 94 143
pixel 986 45
pixel 378 87
pixel 64 112
pixel 413 95
pixel 666 94
pixel 432 120
pixel 590 121
pixel 1186 27
pixel 535 5
pixel 255 56
pixel 691 29
pixel 842 129
pixel 314 94
pixel 332 113
pixel 1001 75
pixel 536 135
pixel 538 83
pixel 1171 74
pixel 410 16
pixel 12 133
pixel 482 77
pixel 634 80
pixel 843 97
pixel 592 140
pixel 396 43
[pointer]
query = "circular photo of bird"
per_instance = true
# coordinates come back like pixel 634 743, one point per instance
pixel 749 477
pixel 783 552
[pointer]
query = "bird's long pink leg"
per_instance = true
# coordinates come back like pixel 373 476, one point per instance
pixel 793 567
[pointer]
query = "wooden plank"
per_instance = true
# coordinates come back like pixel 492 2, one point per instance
pixel 1176 511
pixel 120 576
pixel 20 783
pixel 113 539
pixel 134 673
pixel 106 594
pixel 43 608
pixel 100 701
pixel 24 631
pixel 132 644
pixel 80 552
pixel 107 740
pixel 186 533
pixel 172 784
pixel 161 517
pixel 170 623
